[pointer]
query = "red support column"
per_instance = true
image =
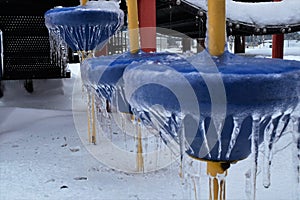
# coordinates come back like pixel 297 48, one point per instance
pixel 277 44
pixel 147 24
pixel 102 52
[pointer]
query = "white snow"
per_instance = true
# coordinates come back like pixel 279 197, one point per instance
pixel 43 157
pixel 261 14
pixel 103 5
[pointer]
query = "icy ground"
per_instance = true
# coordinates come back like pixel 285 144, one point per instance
pixel 42 156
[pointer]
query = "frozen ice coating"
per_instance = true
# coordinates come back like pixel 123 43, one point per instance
pixel 83 28
pixel 261 14
pixel 255 88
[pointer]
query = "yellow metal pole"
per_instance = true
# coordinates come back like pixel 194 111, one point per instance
pixel 83 2
pixel 216 27
pixel 140 159
pixel 89 125
pixel 217 185
pixel 216 45
pixel 133 29
pixel 133 25
pixel 91 111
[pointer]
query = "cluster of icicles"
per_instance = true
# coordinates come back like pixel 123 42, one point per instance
pixel 280 124
pixel 58 48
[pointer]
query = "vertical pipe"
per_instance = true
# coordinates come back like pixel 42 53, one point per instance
pixel 200 44
pixel 217 186
pixel 102 52
pixel 140 159
pixel 83 2
pixel 147 23
pixel 133 25
pixel 186 44
pixel 216 44
pixel 277 43
pixel 216 27
pixel 239 44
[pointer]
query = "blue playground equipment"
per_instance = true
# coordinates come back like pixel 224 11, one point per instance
pixel 84 27
pixel 251 86
pixel 216 105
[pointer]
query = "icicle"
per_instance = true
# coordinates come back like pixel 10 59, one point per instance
pixel 269 135
pixel 267 154
pixel 93 120
pixel 196 180
pixel 89 112
pixel 248 184
pixel 254 152
pixel 140 159
pixel 157 153
pixel 191 177
pixel 109 126
pixel 217 173
pixel 217 182
pixel 219 128
pixel 282 125
pixel 123 126
pixel 145 143
pixel 237 123
pixel 181 134
pixel 202 130
pixel 296 156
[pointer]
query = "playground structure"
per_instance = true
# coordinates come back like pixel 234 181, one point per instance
pixel 229 116
pixel 25 49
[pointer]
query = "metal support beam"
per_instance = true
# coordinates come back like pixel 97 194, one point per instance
pixel 147 24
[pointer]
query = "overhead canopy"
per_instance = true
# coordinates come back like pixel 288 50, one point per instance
pixel 189 17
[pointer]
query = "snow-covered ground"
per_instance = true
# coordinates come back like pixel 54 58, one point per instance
pixel 43 157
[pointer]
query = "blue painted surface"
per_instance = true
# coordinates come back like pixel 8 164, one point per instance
pixel 86 27
pixel 251 85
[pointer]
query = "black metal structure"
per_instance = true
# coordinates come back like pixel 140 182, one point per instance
pixel 186 18
pixel 25 41
pixel 182 17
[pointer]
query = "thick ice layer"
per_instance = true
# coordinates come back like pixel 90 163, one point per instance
pixel 166 91
pixel 105 74
pixel 85 27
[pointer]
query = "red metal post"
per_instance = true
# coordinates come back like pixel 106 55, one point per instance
pixel 147 24
pixel 277 44
pixel 102 52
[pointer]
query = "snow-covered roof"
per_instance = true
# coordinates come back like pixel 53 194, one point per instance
pixel 262 14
